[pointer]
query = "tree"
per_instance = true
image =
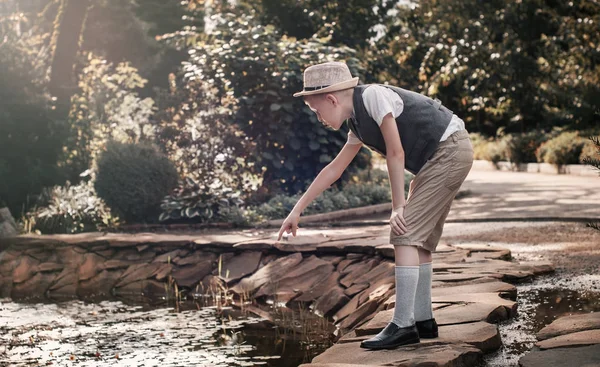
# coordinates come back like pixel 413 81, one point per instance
pixel 521 65
pixel 262 69
pixel 67 34
pixel 594 161
pixel 31 138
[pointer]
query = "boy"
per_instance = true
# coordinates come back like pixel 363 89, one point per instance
pixel 414 133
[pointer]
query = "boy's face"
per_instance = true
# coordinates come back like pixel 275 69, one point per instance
pixel 328 109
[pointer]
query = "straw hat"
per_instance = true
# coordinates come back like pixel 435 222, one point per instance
pixel 327 77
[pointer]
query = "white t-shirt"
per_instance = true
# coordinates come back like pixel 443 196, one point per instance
pixel 379 101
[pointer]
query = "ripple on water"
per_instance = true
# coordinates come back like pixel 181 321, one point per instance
pixel 110 333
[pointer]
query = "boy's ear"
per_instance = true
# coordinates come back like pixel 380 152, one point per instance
pixel 332 99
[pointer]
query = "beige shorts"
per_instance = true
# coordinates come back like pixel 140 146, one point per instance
pixel 432 191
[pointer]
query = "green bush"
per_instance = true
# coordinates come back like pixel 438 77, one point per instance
pixel 521 148
pixel 133 179
pixel 590 151
pixel 565 148
pixel 69 209
pixel 200 202
pixel 371 187
pixel 490 150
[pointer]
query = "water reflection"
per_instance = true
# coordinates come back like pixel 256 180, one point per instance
pixel 111 333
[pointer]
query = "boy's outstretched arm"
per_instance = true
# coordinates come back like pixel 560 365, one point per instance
pixel 322 182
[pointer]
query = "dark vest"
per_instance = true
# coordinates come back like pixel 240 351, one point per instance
pixel 421 126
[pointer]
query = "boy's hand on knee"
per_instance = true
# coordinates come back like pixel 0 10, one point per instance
pixel 397 222
pixel 290 224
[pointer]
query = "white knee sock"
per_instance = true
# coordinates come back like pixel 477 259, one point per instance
pixel 423 308
pixel 407 278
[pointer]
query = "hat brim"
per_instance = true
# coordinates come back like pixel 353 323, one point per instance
pixel 332 88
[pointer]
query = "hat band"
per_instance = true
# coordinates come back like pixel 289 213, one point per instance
pixel 310 89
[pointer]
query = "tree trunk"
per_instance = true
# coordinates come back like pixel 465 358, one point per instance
pixel 67 33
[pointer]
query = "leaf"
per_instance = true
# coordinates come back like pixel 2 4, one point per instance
pixel 313 145
pixel 275 107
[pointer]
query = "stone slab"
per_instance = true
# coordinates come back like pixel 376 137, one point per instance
pixel 587 337
pixel 588 356
pixel 405 356
pixel 570 324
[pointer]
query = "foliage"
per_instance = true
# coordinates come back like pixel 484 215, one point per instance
pixel 31 138
pixel 490 150
pixel 352 22
pixel 522 65
pixel 106 108
pixel 521 148
pixel 199 202
pixel 590 154
pixel 194 127
pixel 563 149
pixel 133 179
pixel 368 187
pixel 261 70
pixel 70 209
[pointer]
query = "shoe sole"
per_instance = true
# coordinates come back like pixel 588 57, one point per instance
pixel 393 346
pixel 428 335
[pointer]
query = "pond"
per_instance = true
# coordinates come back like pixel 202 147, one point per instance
pixel 108 333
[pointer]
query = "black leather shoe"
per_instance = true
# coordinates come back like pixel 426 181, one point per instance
pixel 392 336
pixel 428 329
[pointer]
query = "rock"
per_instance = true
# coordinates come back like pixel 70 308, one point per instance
pixel 563 357
pixel 297 279
pixel 487 287
pixel 101 284
pixel 405 356
pixel 481 335
pixel 92 265
pixel 455 314
pixel 345 263
pixel 34 287
pixel 50 267
pixel 362 314
pixel 27 267
pixel 69 256
pixel 386 251
pixel 355 289
pixel 148 288
pixel 117 264
pixel 302 243
pixel 360 245
pixel 138 272
pixel 333 259
pixel 189 276
pixel 471 312
pixel 348 308
pixel 318 290
pixel 66 277
pixel 195 258
pixel 384 270
pixel 169 256
pixel 239 266
pixel 356 271
pixel 570 324
pixel 377 290
pixel 271 272
pixel 163 272
pixel 8 227
pixel 587 337
pixel 456 277
pixel 331 301
pixel 488 298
